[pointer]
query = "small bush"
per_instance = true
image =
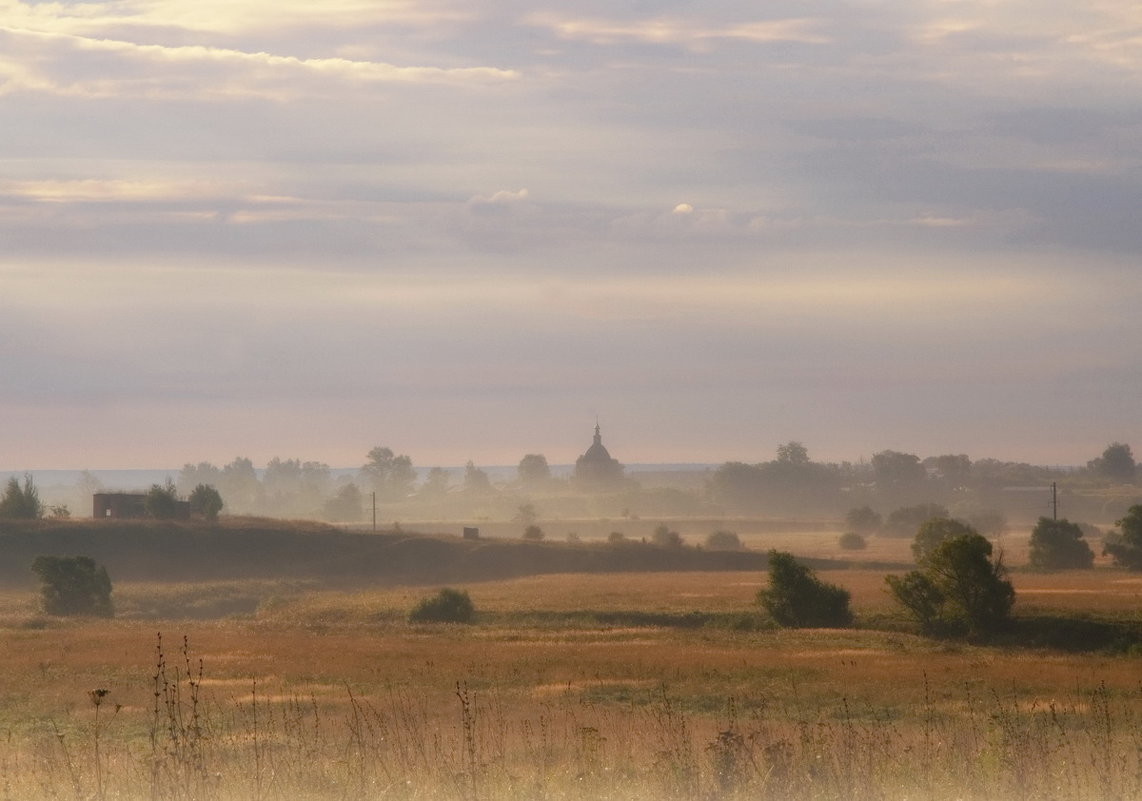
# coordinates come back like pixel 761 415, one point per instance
pixel 723 541
pixel 904 522
pixel 851 541
pixel 74 585
pixel 447 606
pixel 205 500
pixel 616 537
pixel 666 538
pixel 161 502
pixel 533 533
pixel 1125 545
pixel 21 503
pixel 863 519
pixel 797 598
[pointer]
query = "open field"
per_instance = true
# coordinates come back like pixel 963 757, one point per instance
pixel 576 686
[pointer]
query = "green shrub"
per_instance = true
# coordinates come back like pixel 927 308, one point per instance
pixel 161 502
pixel 797 598
pixel 666 538
pixel 21 503
pixel 74 585
pixel 1059 545
pixel 205 500
pixel 1126 546
pixel 533 533
pixel 935 531
pixel 959 588
pixel 904 521
pixel 447 606
pixel 723 541
pixel 863 519
pixel 851 541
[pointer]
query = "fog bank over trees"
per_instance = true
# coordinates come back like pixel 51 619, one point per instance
pixel 883 490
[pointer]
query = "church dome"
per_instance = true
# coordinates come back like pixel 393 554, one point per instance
pixel 596 468
pixel 597 452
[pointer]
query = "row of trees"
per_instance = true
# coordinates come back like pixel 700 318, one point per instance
pixel 793 483
pixel 959 586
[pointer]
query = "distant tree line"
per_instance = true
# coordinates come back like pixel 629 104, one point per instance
pixel 792 483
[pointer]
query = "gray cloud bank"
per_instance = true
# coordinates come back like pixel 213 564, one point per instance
pixel 721 225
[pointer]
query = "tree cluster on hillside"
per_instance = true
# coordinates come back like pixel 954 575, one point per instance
pixel 1126 546
pixel 310 489
pixel 789 484
pixel 879 490
pixel 958 587
pixel 794 484
pixel 21 502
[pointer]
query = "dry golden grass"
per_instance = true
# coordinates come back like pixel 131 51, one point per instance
pixel 326 694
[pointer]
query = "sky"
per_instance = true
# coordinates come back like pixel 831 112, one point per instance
pixel 470 230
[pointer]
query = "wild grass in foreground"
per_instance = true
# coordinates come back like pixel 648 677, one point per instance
pixel 587 739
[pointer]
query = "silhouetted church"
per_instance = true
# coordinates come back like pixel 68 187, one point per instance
pixel 595 469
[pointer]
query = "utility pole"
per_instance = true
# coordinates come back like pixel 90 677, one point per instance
pixel 1054 500
pixel 374 512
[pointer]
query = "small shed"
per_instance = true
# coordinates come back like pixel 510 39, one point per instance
pixel 129 506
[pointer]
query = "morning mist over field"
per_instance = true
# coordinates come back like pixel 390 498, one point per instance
pixel 245 228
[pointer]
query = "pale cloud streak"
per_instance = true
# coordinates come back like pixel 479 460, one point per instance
pixel 232 73
pixel 689 33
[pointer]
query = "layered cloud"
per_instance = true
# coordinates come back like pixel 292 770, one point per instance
pixel 854 208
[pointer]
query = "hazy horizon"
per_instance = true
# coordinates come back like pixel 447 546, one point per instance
pixel 251 229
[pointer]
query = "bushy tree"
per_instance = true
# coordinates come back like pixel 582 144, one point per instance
pixel 345 506
pixel 796 597
pixel 793 453
pixel 863 519
pixel 1126 549
pixel 906 520
pixel 1059 545
pixel 953 470
pixel 240 486
pixel 476 480
pixel 920 596
pixel 935 531
pixel 205 501
pixel 897 471
pixel 21 502
pixel 533 469
pixel 392 477
pixel 526 513
pixel 665 537
pixel 533 533
pixel 1116 463
pixel 723 541
pixel 74 585
pixel 161 502
pixel 447 606
pixel 959 587
pixel 192 475
pixel 988 522
pixel 435 483
pixel 852 541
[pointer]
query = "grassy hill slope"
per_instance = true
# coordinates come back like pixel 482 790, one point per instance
pixel 258 549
